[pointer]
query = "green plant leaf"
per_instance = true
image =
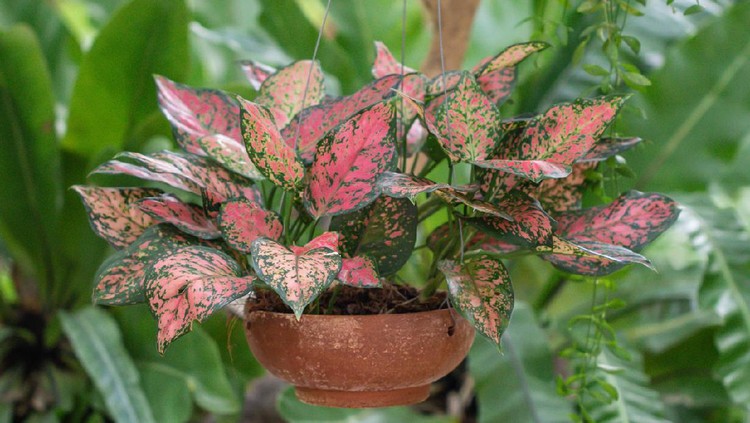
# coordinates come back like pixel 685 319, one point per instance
pixel 115 89
pixel 522 376
pixel 31 195
pixel 167 391
pixel 695 131
pixel 98 345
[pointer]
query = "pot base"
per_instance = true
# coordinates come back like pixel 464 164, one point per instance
pixel 363 399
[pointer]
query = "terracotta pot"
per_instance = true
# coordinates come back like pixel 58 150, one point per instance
pixel 360 361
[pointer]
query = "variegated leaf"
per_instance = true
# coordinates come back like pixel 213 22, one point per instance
pixel 231 155
pixel 313 123
pixel 242 222
pixel 119 280
pixel 464 121
pixel 560 195
pixel 480 288
pixel 360 272
pixel 593 258
pixel 188 218
pixel 510 57
pixel 348 162
pixel 530 227
pixel 285 89
pixel 112 212
pixel 328 240
pixel 607 147
pixel 299 275
pixel 256 72
pixel 415 138
pixel 453 196
pixel 191 284
pixel 385 231
pixel 631 221
pixel 436 86
pixel 267 149
pixel 385 64
pixel 211 204
pixel 498 84
pixel 400 185
pixel 547 145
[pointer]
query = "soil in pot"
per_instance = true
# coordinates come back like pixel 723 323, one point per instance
pixel 384 348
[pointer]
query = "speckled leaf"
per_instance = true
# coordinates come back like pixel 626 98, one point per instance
pixel 348 162
pixel 548 144
pixel 119 280
pixel 188 218
pixel 242 222
pixel 607 147
pixel 498 84
pixel 191 284
pixel 510 57
pixel 231 155
pixel 400 185
pixel 256 72
pixel 530 227
pixel 453 196
pixel 285 89
pixel 631 221
pixel 435 85
pixel 186 172
pixel 385 231
pixel 385 64
pixel 299 275
pixel 112 212
pixel 312 124
pixel 211 204
pixel 360 272
pixel 267 149
pixel 559 195
pixel 464 121
pixel 593 258
pixel 480 288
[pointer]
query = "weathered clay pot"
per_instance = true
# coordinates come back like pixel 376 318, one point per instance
pixel 360 361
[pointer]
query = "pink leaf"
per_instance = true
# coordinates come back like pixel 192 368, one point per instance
pixel 530 227
pixel 510 57
pixel 360 272
pixel 481 290
pixel 436 86
pixel 267 149
pixel 191 284
pixel 535 170
pixel 453 196
pixel 497 85
pixel 242 222
pixel 188 218
pixel 112 212
pixel 285 89
pixel 231 155
pixel 328 240
pixel 312 124
pixel 256 72
pixel 348 161
pixel 385 64
pixel 464 121
pixel 559 195
pixel 496 75
pixel 400 185
pixel 608 147
pixel 299 275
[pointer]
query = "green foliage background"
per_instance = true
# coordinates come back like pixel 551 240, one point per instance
pixel 76 87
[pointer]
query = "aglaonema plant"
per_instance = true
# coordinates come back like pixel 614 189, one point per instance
pixel 300 193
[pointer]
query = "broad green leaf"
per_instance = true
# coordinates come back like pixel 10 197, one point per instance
pixel 518 385
pixel 480 288
pixel 298 274
pixel 167 391
pixel 31 196
pixel 267 150
pixel 695 131
pixel 115 91
pixel 189 285
pixel 114 214
pixel 349 160
pixel 98 345
pixel 195 358
pixel 726 289
pixel 385 231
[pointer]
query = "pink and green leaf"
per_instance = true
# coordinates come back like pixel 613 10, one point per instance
pixel 607 147
pixel 285 90
pixel 530 227
pixel 498 84
pixel 298 275
pixel 454 196
pixel 593 258
pixel 386 64
pixel 348 162
pixel 231 155
pixel 188 218
pixel 312 124
pixel 113 214
pixel 400 185
pixel 385 231
pixel 119 280
pixel 256 72
pixel 241 222
pixel 359 272
pixel 189 285
pixel 535 170
pixel 560 195
pixel 509 57
pixel 464 121
pixel 272 156
pixel 480 288
pixel 436 87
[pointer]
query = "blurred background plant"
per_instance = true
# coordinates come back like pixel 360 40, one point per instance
pixel 76 87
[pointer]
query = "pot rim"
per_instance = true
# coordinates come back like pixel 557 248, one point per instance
pixel 450 310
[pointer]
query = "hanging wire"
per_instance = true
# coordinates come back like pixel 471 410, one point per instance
pixel 402 121
pixel 309 72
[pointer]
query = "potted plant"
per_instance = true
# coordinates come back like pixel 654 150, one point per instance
pixel 310 207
